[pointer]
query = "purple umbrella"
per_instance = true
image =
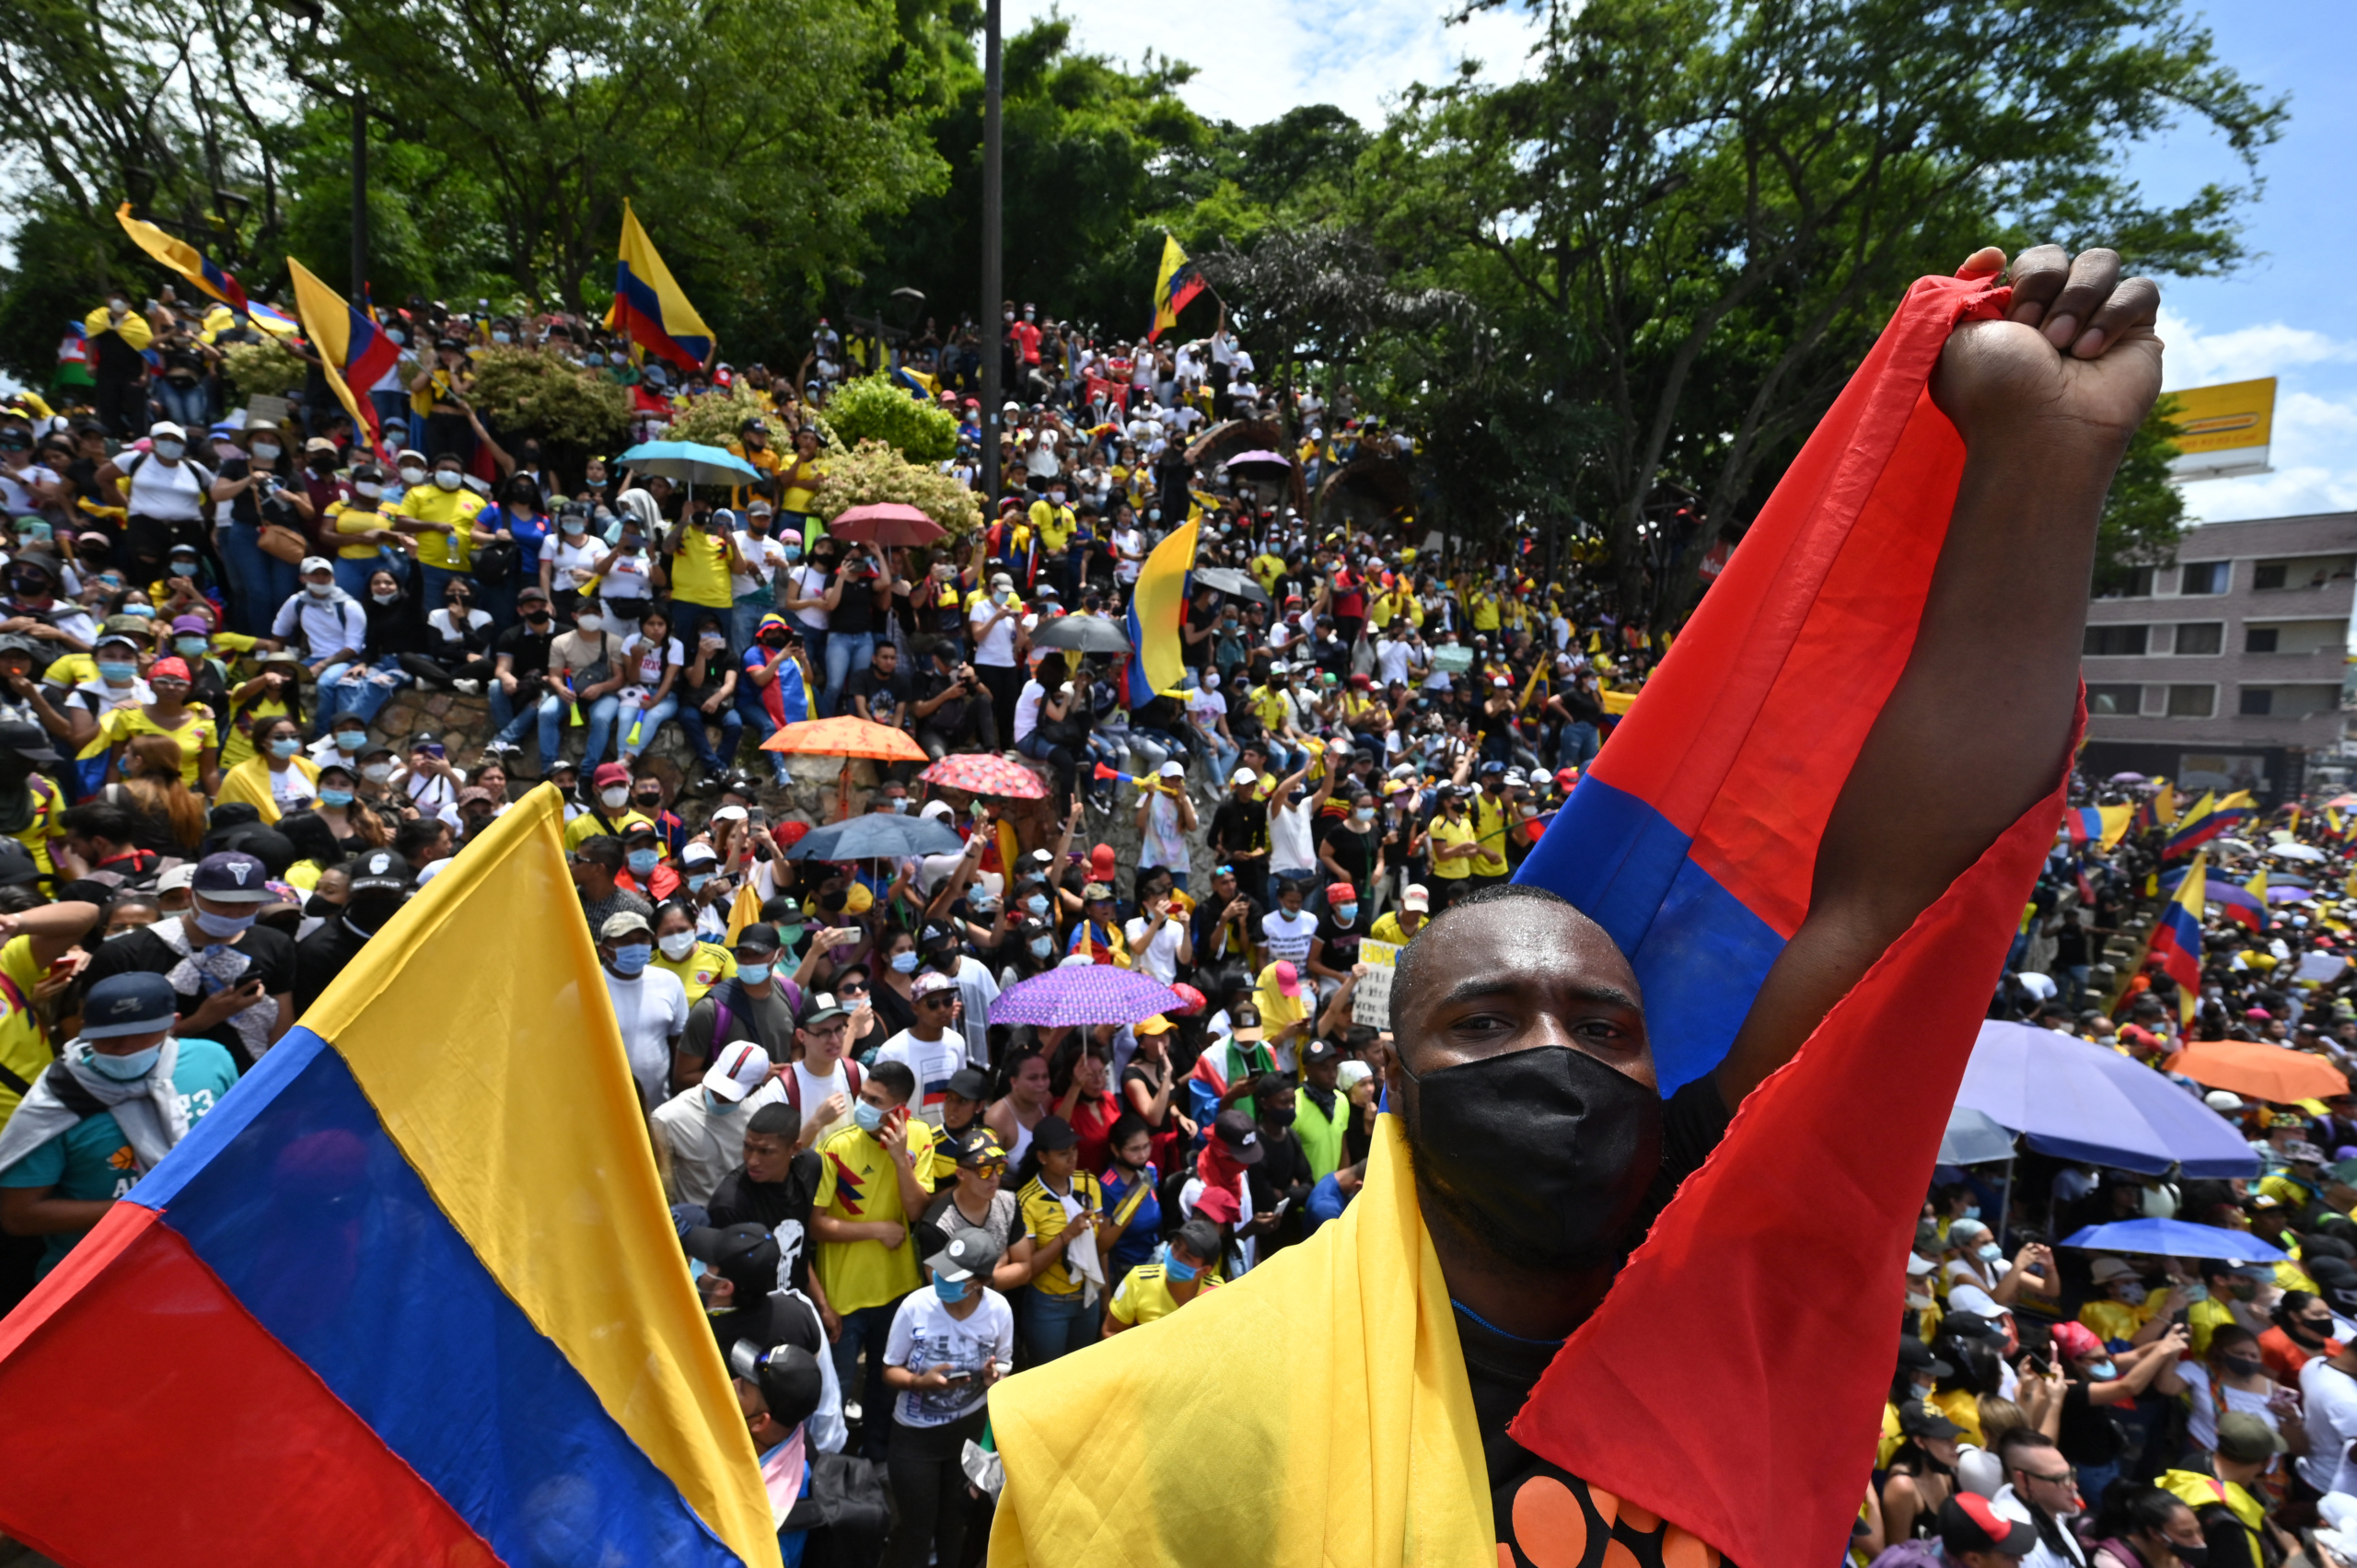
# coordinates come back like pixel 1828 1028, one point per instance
pixel 1263 465
pixel 2289 895
pixel 2127 778
pixel 1089 993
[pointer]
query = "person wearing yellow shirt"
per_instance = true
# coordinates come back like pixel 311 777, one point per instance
pixel 1060 1312
pixel 869 1192
pixel 444 509
pixel 1053 522
pixel 1491 813
pixel 2301 1181
pixel 36 939
pixel 798 483
pixel 752 444
pixel 1399 926
pixel 1454 842
pixel 1482 607
pixel 701 559
pixel 118 338
pixel 612 817
pixel 1267 568
pixel 2126 1314
pixel 1154 1291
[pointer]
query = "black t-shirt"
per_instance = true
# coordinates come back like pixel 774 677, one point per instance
pixel 321 955
pixel 783 1208
pixel 886 694
pixel 1353 851
pixel 527 648
pixel 854 613
pixel 1283 1172
pixel 1238 827
pixel 2090 1433
pixel 268 953
pixel 1503 1367
pixel 1221 941
pixel 950 717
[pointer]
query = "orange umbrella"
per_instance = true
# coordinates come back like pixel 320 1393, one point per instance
pixel 846 736
pixel 2263 1072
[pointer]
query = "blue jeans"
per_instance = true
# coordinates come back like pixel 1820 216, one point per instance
pixel 1576 746
pixel 362 700
pixel 654 719
pixel 353 577
pixel 262 581
pixel 437 578
pixel 757 720
pixel 846 651
pixel 866 1329
pixel 740 623
pixel 1219 755
pixel 191 405
pixel 693 719
pixel 508 725
pixel 554 711
pixel 1053 1325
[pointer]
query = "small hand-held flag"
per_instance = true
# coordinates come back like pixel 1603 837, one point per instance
pixel 2176 938
pixel 1157 605
pixel 353 352
pixel 1176 283
pixel 649 308
pixel 413 1280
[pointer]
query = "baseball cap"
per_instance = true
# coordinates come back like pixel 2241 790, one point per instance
pixel 1095 892
pixel 970 1083
pixel 611 774
pixel 178 878
pixel 2246 1439
pixel 1414 897
pixel 2224 1101
pixel 233 876
pixel 381 869
pixel 1243 775
pixel 27 741
pixel 1288 979
pixel 1919 1418
pixel 128 1005
pixel 1321 1053
pixel 315 564
pixel 1174 770
pixel 1154 1025
pixel 1237 1129
pixel 823 1008
pixel 738 1071
pixel 930 983
pixel 1054 1132
pixel 788 1377
pixel 621 923
pixel 2076 1339
pixel 969 1253
pixel 760 937
pixel 1916 1356
pixel 1969 1522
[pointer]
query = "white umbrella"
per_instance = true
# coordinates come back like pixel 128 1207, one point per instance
pixel 2297 851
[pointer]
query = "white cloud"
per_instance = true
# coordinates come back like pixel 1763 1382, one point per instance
pixel 2314 450
pixel 1255 59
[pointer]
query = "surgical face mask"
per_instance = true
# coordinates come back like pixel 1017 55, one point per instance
pixel 183 568
pixel 447 479
pixel 789 934
pixel 367 489
pixel 753 975
pixel 126 1069
pixel 138 611
pixel 2102 1371
pixel 1346 913
pixel 718 1106
pixel 221 926
pixel 901 806
pixel 503 337
pixel 614 799
pixel 285 746
pixel 1363 815
pixel 1988 1252
pixel 115 672
pixel 677 944
pixel 868 1117
pixel 575 526
pixel 413 474
pixel 640 862
pixel 332 796
pixel 265 450
pixel 905 963
pixel 1178 1270
pixel 630 959
pixel 590 624
pixel 793 551
pixel 351 741
pixel 320 590
pixel 951 1290
pixel 1041 947
pixel 377 773
pixel 696 879
pixel 1591 1139
pixel 386 596
pixel 2130 1292
pixel 168 450
pixel 1037 903
pixel 189 648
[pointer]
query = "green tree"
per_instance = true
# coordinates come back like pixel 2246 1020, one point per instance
pixel 1694 215
pixel 2144 515
pixel 874 408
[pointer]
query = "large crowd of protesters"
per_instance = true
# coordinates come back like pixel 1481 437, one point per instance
pixel 889 1202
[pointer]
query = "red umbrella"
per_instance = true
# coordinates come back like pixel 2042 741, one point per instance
pixel 889 523
pixel 984 772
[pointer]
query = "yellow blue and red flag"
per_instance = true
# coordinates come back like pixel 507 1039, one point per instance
pixel 2102 826
pixel 2177 935
pixel 2198 827
pixel 198 269
pixel 354 350
pixel 1175 284
pixel 413 1284
pixel 1157 605
pixel 649 308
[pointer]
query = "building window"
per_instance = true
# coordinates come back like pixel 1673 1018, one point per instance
pixel 2114 700
pixel 2258 702
pixel 2260 639
pixel 2107 641
pixel 2205 578
pixel 2192 702
pixel 2270 574
pixel 2200 636
pixel 2125 582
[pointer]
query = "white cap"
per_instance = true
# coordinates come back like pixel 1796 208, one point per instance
pixel 738 1071
pixel 1243 775
pixel 1917 1265
pixel 165 427
pixel 1973 1300
pixel 1414 897
pixel 1276 666
pixel 315 564
pixel 2038 985
pixel 2224 1101
pixel 178 879
pixel 1352 1073
pixel 1174 770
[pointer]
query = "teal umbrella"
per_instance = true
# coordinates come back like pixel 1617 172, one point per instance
pixel 689 462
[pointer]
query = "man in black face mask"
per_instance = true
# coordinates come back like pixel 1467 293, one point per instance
pixel 380 881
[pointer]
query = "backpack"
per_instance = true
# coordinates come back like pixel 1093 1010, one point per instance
pixel 792 1084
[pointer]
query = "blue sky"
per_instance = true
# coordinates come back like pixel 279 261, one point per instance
pixel 2288 313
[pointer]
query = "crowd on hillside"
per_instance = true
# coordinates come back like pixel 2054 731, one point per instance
pixel 889 1201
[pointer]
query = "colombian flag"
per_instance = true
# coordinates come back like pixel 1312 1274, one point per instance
pixel 649 308
pixel 2210 818
pixel 193 265
pixel 2252 914
pixel 1175 284
pixel 2176 938
pixel 2102 826
pixel 1157 606
pixel 409 1295
pixel 354 350
pixel 1692 839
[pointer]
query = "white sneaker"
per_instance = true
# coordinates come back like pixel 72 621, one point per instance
pixel 472 687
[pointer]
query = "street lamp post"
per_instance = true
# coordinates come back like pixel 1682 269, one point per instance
pixel 993 330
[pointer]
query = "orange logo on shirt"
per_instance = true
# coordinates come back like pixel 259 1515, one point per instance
pixel 123 1159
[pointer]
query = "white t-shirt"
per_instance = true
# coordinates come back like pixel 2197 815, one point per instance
pixel 931 1061
pixel 1026 709
pixel 1164 844
pixel 627 577
pixel 2202 1424
pixel 1206 708
pixel 651 1009
pixel 997 646
pixel 765 555
pixel 646 659
pixel 1288 937
pixel 445 625
pixel 817 1092
pixel 1391 658
pixel 2329 1397
pixel 14 486
pixel 1129 548
pixel 573 563
pixel 924 1335
pixel 1290 848
pixel 1160 958
pixel 810 582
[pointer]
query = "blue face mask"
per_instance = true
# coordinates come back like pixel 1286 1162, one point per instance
pixel 905 963
pixel 335 798
pixel 1972 1210
pixel 143 611
pixel 189 648
pixel 629 960
pixel 1346 913
pixel 753 975
pixel 36 533
pixel 2102 1371
pixel 285 746
pixel 116 673
pixel 351 741
pixel 1177 1271
pixel 642 862
pixel 1988 1252
pixel 1037 903
pixel 223 926
pixel 126 1069
pixel 951 1290
pixel 793 551
pixel 868 1117
pixel 183 568
pixel 1041 947
pixel 696 879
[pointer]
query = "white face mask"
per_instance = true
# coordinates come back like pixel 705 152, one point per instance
pixel 377 773
pixel 320 590
pixel 368 490
pixel 677 944
pixel 168 450
pixel 614 799
pixel 588 623
pixel 413 475
pixel 265 450
pixel 447 479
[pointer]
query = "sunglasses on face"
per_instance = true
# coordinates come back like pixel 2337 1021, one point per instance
pixel 852 990
pixel 995 1167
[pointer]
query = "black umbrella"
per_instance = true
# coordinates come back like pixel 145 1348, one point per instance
pixel 878 835
pixel 1082 634
pixel 1229 581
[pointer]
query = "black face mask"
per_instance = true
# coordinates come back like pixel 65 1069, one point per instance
pixel 367 911
pixel 2191 1556
pixel 1585 1145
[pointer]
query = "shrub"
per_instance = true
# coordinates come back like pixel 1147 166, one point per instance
pixel 875 408
pixel 264 369
pixel 873 471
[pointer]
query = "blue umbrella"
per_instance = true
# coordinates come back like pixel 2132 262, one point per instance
pixel 2087 1102
pixel 876 835
pixel 689 463
pixel 2176 1238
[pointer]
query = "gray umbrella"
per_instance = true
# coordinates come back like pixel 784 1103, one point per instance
pixel 1229 581
pixel 1974 1137
pixel 1082 634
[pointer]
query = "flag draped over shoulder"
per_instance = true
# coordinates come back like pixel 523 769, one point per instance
pixel 650 308
pixel 1157 607
pixel 1693 840
pixel 354 350
pixel 1174 282
pixel 410 1294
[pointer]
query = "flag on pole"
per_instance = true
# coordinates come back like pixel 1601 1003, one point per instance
pixel 650 308
pixel 2176 937
pixel 2165 804
pixel 1175 284
pixel 353 352
pixel 2197 827
pixel 1157 606
pixel 192 264
pixel 2102 826
pixel 413 1283
pixel 2254 914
